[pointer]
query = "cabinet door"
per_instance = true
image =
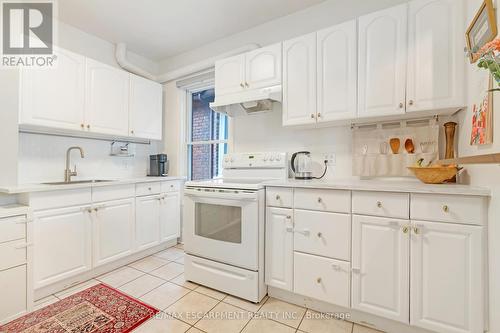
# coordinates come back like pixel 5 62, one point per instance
pixel 62 246
pixel 435 58
pixel 107 99
pixel 147 222
pixel 145 108
pixel 170 217
pixel 337 72
pixel 382 62
pixel 54 97
pixel 263 67
pixel 113 224
pixel 279 248
pixel 230 75
pixel 447 277
pixel 380 261
pixel 299 81
pixel 14 297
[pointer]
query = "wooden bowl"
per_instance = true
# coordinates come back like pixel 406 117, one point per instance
pixel 436 174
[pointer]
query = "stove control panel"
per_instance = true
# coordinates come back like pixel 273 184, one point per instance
pixel 255 160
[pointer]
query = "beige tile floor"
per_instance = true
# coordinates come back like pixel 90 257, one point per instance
pixel 158 280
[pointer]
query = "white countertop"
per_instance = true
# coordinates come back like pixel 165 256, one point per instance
pixel 27 188
pixel 384 186
pixel 13 210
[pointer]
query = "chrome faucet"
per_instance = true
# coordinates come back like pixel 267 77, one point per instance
pixel 68 173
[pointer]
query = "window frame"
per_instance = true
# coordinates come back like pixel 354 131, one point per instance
pixel 187 129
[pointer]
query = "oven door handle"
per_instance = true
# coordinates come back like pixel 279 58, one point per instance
pixel 222 194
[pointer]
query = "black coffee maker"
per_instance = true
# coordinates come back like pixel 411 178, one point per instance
pixel 158 165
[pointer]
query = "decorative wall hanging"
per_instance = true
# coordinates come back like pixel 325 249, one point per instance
pixel 482 118
pixel 483 29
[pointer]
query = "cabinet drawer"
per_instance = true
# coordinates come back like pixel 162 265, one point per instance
pixel 279 197
pixel 385 204
pixel 325 200
pixel 12 228
pixel 323 279
pixel 12 254
pixel 147 189
pixel 172 186
pixel 449 208
pixel 14 298
pixel 324 234
pixel 58 199
pixel 109 193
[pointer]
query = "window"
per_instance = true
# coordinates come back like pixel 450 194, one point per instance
pixel 207 136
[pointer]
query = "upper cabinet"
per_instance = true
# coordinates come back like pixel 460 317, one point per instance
pixel 299 80
pixel 337 72
pixel 55 97
pixel 106 99
pixel 382 62
pixel 81 95
pixel 145 109
pixel 435 57
pixel 253 70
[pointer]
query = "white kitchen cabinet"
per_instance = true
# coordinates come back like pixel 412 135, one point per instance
pixel 62 244
pixel 107 99
pixel 380 264
pixel 435 55
pixel 263 67
pixel 54 97
pixel 279 248
pixel 447 279
pixel 147 226
pixel 109 220
pixel 337 72
pixel 146 106
pixel 170 216
pixel 13 293
pixel 382 62
pixel 230 75
pixel 299 81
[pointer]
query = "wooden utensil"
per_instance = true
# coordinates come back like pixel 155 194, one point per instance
pixel 409 146
pixel 395 144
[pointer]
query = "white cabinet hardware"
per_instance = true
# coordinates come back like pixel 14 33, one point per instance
pixel 446 209
pixel 318 280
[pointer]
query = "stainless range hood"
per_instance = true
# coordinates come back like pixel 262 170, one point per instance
pixel 248 102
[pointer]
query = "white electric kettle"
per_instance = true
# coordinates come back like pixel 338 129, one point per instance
pixel 301 164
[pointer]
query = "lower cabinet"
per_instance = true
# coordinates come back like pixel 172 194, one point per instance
pixel 147 226
pixel 279 248
pixel 170 216
pixel 322 278
pixel 447 282
pixel 62 244
pixel 14 298
pixel 113 230
pixel 380 265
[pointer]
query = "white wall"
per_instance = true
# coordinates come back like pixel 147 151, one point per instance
pixel 42 158
pixel 484 175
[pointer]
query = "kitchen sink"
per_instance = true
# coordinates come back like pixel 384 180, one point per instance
pixel 93 181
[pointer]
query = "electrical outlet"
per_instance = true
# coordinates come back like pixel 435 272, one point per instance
pixel 330 158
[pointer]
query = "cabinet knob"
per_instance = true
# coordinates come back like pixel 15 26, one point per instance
pixel 405 229
pixel 242 85
pixel 82 125
pixel 319 115
pixel 318 280
pixel 132 132
pixel 411 102
pixel 88 126
pixel 401 105
pixel 149 188
pixel 320 234
pixel 247 85
pixel 96 210
pixel 312 115
pixel 416 230
pixel 320 200
pixel 379 204
pixel 446 209
pixel 278 197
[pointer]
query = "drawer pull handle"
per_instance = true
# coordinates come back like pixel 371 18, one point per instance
pixel 288 217
pixel 379 204
pixel 318 280
pixel 405 229
pixel 149 188
pixel 320 235
pixel 312 116
pixel 337 267
pixel 416 230
pixel 278 197
pixel 320 200
pixel 446 209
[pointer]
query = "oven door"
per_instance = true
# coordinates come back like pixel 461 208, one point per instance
pixel 222 225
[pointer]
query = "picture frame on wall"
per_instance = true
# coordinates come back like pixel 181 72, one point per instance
pixel 482 29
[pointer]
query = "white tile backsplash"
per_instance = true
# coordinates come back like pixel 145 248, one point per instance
pixel 42 158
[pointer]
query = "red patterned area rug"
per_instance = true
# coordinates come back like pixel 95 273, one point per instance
pixel 99 309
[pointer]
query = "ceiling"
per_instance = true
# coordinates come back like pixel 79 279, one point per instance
pixel 158 29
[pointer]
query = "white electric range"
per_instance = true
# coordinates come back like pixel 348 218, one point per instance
pixel 224 224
